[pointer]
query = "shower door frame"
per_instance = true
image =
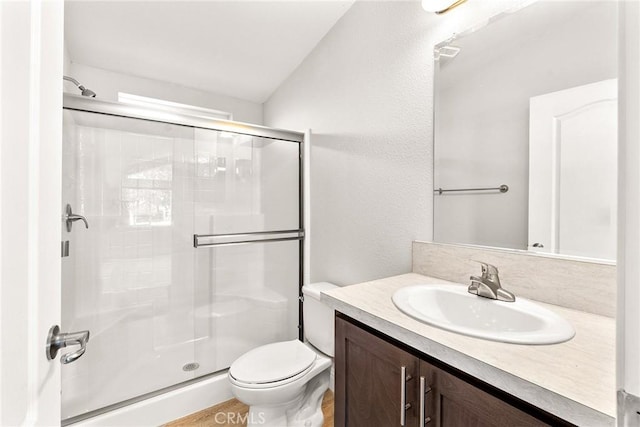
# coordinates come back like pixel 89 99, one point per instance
pixel 95 105
pixel 92 105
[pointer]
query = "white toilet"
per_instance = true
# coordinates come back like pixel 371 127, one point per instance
pixel 283 383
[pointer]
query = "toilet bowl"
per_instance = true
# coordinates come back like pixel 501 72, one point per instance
pixel 284 383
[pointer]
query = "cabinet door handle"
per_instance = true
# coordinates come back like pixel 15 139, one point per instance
pixel 421 414
pixel 424 420
pixel 403 395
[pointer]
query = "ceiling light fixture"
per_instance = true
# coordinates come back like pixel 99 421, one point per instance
pixel 440 6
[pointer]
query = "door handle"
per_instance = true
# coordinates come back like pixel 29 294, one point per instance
pixel 70 218
pixel 57 340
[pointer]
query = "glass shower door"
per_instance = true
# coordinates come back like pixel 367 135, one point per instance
pixel 129 276
pixel 164 278
pixel 246 189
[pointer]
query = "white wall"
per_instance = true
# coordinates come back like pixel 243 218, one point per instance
pixel 628 363
pixel 366 92
pixel 107 84
pixel 66 66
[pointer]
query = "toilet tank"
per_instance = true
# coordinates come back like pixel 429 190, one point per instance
pixel 319 323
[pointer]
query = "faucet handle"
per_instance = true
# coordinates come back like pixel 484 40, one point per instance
pixel 488 270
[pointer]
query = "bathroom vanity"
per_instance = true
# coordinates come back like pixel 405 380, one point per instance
pixel 456 380
pixel 433 391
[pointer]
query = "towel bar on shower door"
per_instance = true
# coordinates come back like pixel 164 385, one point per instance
pixel 503 189
pixel 245 238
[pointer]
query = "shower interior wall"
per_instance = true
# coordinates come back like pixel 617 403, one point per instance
pixel 152 302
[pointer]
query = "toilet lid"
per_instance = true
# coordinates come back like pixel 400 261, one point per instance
pixel 272 362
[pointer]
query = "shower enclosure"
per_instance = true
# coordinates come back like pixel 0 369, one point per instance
pixel 193 251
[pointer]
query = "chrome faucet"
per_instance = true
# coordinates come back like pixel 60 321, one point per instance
pixel 488 285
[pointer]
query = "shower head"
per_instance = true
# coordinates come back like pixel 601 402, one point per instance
pixel 87 92
pixel 83 90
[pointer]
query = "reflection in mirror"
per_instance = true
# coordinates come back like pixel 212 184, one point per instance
pixel 526 131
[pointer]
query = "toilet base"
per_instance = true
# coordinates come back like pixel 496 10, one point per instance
pixel 304 411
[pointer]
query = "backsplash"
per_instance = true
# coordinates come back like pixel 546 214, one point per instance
pixel 580 285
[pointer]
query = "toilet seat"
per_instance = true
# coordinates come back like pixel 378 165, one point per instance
pixel 272 365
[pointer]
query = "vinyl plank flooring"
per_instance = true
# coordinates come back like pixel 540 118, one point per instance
pixel 232 413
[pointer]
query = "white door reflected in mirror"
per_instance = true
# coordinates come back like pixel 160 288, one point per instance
pixel 573 171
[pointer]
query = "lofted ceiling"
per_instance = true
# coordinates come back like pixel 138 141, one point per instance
pixel 244 49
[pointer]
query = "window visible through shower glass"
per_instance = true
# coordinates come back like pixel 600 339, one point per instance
pixel 156 306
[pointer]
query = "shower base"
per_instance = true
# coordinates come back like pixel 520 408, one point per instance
pixel 165 407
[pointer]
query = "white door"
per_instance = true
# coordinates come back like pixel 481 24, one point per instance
pixel 573 171
pixel 31 45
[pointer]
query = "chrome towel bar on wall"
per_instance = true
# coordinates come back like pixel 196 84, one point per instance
pixel 246 238
pixel 503 189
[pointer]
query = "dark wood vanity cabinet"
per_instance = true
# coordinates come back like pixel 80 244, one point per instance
pixel 375 378
pixel 453 402
pixel 369 377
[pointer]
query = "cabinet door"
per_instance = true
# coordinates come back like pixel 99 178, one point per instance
pixel 369 381
pixel 452 402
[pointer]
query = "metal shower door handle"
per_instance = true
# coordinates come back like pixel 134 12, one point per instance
pixel 57 340
pixel 70 218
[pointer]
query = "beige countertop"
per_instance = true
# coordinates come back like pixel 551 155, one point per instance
pixel 574 380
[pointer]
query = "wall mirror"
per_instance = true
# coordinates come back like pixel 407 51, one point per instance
pixel 526 131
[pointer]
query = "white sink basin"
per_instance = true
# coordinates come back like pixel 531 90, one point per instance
pixel 452 308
